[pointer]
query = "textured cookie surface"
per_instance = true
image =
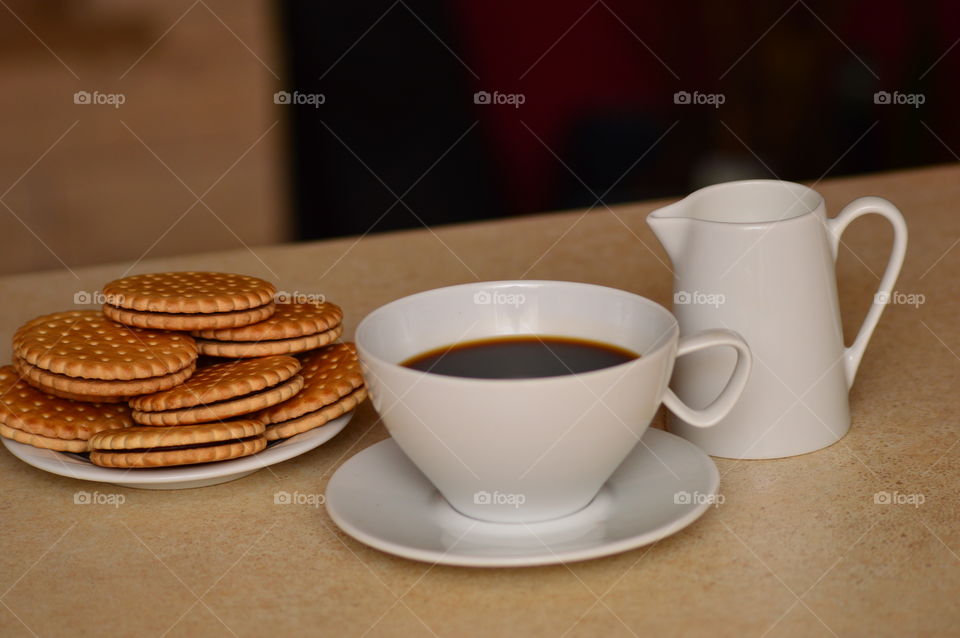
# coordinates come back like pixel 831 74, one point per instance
pixel 24 408
pixel 222 409
pixel 289 321
pixel 243 349
pixel 221 381
pixel 316 418
pixel 189 292
pixel 45 442
pixel 75 396
pixel 143 437
pixel 85 344
pixel 185 456
pixel 93 387
pixel 197 321
pixel 329 373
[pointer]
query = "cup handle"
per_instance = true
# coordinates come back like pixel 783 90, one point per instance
pixel 853 210
pixel 722 405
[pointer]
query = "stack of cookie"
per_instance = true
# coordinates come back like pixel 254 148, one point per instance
pixel 294 327
pixel 210 414
pixel 143 349
pixel 333 385
pixel 162 447
pixel 188 300
pixel 30 416
pixel 81 355
pixel 221 391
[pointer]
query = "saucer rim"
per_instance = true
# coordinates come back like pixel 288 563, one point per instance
pixel 599 550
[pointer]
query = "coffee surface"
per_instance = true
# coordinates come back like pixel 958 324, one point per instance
pixel 520 357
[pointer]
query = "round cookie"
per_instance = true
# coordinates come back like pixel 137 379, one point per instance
pixel 289 321
pixel 168 321
pixel 85 344
pixel 189 292
pixel 221 381
pixel 75 396
pixel 42 380
pixel 329 374
pixel 186 456
pixel 45 442
pixel 182 445
pixel 315 419
pixel 244 349
pixel 144 437
pixel 222 409
pixel 30 416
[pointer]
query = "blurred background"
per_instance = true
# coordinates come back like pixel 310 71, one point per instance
pixel 134 129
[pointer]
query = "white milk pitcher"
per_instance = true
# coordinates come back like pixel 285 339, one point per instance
pixel 758 257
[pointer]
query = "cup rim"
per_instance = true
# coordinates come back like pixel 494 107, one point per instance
pixel 673 330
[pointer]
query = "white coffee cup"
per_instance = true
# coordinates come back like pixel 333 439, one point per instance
pixel 526 450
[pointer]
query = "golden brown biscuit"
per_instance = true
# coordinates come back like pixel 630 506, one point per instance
pixel 181 445
pixel 315 419
pixel 162 321
pixel 142 437
pixel 45 442
pixel 245 349
pixel 329 374
pixel 221 381
pixel 30 411
pixel 184 456
pixel 75 396
pixel 189 292
pixel 222 409
pixel 94 387
pixel 289 321
pixel 85 344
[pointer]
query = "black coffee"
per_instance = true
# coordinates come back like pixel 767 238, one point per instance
pixel 520 357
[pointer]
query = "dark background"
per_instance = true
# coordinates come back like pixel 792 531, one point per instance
pixel 400 141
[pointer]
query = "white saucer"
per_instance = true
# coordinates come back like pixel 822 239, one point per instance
pixel 380 498
pixel 181 477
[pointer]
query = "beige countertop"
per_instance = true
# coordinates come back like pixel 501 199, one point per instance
pixel 798 548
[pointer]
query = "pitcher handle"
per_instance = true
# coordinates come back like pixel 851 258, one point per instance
pixel 853 210
pixel 722 405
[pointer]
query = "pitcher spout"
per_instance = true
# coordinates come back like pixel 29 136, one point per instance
pixel 671 225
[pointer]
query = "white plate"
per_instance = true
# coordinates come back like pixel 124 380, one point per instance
pixel 380 498
pixel 181 477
